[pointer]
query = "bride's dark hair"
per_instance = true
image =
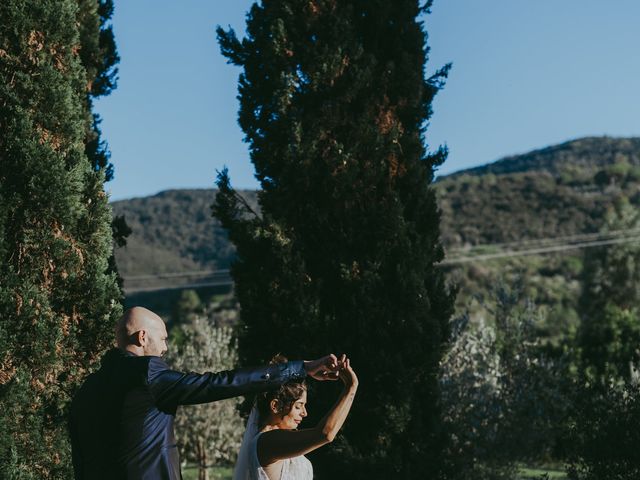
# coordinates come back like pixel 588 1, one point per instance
pixel 286 395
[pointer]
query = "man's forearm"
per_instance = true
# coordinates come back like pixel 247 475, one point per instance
pixel 175 388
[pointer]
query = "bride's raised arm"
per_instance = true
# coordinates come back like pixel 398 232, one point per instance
pixel 278 444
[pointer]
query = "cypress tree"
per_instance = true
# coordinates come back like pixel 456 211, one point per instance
pixel 334 104
pixel 58 295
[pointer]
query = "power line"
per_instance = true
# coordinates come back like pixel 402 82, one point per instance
pixel 551 240
pixel 194 273
pixel 541 246
pixel 220 283
pixel 538 251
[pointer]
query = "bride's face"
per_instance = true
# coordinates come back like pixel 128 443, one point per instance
pixel 298 411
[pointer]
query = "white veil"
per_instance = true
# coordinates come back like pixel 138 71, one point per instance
pixel 245 464
pixel 248 467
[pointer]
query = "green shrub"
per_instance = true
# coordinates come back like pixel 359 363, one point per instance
pixel 605 434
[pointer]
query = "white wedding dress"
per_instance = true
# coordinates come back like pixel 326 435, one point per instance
pixel 248 466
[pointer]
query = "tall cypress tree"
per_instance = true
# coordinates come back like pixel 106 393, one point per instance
pixel 58 297
pixel 334 105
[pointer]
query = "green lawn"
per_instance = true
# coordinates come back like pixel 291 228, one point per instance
pixel 226 473
pixel 527 473
pixel 215 473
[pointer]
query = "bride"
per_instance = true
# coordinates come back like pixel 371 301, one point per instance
pixel 273 448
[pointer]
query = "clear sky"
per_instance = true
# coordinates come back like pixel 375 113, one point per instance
pixel 526 74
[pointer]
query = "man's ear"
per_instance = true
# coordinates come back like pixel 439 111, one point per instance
pixel 141 337
pixel 274 405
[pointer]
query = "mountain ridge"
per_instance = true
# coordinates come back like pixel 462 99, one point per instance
pixel 598 150
pixel 558 190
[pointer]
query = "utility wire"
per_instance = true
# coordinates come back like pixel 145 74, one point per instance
pixel 194 273
pixel 552 240
pixel 540 246
pixel 538 251
pixel 221 283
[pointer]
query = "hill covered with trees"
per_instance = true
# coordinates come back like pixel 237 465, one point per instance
pixel 173 231
pixel 556 191
pixel 553 192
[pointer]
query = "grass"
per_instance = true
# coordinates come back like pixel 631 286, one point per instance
pixel 190 472
pixel 528 473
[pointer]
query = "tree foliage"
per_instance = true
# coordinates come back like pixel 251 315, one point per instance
pixel 609 332
pixel 58 300
pixel 607 403
pixel 334 104
pixel 605 433
pixel 505 400
pixel 211 433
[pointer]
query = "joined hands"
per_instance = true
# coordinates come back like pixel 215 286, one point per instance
pixel 330 367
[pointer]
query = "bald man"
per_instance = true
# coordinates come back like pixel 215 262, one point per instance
pixel 121 420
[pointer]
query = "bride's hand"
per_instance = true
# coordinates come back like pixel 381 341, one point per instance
pixel 325 368
pixel 347 375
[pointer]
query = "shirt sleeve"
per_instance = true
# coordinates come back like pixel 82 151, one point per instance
pixel 170 388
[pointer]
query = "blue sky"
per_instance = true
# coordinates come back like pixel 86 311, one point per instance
pixel 526 74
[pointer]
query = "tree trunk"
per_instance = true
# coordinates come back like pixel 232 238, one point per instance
pixel 203 472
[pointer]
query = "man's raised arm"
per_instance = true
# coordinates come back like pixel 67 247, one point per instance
pixel 170 388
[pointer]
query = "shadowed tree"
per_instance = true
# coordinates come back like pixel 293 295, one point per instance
pixel 334 104
pixel 609 332
pixel 58 295
pixel 498 384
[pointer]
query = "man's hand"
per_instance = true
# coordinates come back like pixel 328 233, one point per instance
pixel 325 368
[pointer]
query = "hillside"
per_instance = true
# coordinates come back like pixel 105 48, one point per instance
pixel 173 231
pixel 589 153
pixel 555 191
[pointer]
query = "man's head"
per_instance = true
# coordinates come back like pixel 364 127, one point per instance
pixel 142 332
